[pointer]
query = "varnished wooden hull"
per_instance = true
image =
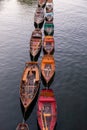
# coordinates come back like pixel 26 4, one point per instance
pixel 39 17
pixel 47 67
pixel 48 44
pixel 29 83
pixel 22 126
pixel 35 42
pixel 47 110
pixel 35 46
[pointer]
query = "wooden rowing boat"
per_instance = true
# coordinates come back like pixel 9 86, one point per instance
pixel 22 126
pixel 47 110
pixel 47 67
pixel 49 16
pixel 48 44
pixel 29 83
pixel 41 3
pixel 49 7
pixel 35 42
pixel 39 17
pixel 49 28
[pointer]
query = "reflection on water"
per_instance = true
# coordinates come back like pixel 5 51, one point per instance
pixel 70 80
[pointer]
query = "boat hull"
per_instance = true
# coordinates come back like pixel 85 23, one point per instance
pixel 35 47
pixel 48 44
pixel 48 67
pixel 49 28
pixel 29 83
pixel 47 110
pixel 35 42
pixel 39 18
pixel 49 7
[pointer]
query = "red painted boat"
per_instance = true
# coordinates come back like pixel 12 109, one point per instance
pixel 47 110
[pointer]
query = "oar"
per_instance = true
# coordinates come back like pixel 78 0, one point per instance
pixel 46 128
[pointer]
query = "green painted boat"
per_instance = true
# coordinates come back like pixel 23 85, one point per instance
pixel 49 28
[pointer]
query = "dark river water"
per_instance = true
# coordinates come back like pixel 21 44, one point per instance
pixel 70 80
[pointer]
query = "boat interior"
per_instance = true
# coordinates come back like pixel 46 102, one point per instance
pixel 30 82
pixel 46 113
pixel 48 45
pixel 47 69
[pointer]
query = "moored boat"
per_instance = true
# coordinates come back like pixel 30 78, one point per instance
pixel 48 44
pixel 47 67
pixel 49 7
pixel 29 83
pixel 49 28
pixel 39 17
pixel 47 110
pixel 22 126
pixel 35 42
pixel 49 17
pixel 41 3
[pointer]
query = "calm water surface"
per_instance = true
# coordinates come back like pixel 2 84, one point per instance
pixel 70 81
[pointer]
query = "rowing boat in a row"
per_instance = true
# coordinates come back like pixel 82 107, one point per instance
pixel 39 17
pixel 47 110
pixel 48 44
pixel 49 7
pixel 47 67
pixel 29 83
pixel 35 42
pixel 49 28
